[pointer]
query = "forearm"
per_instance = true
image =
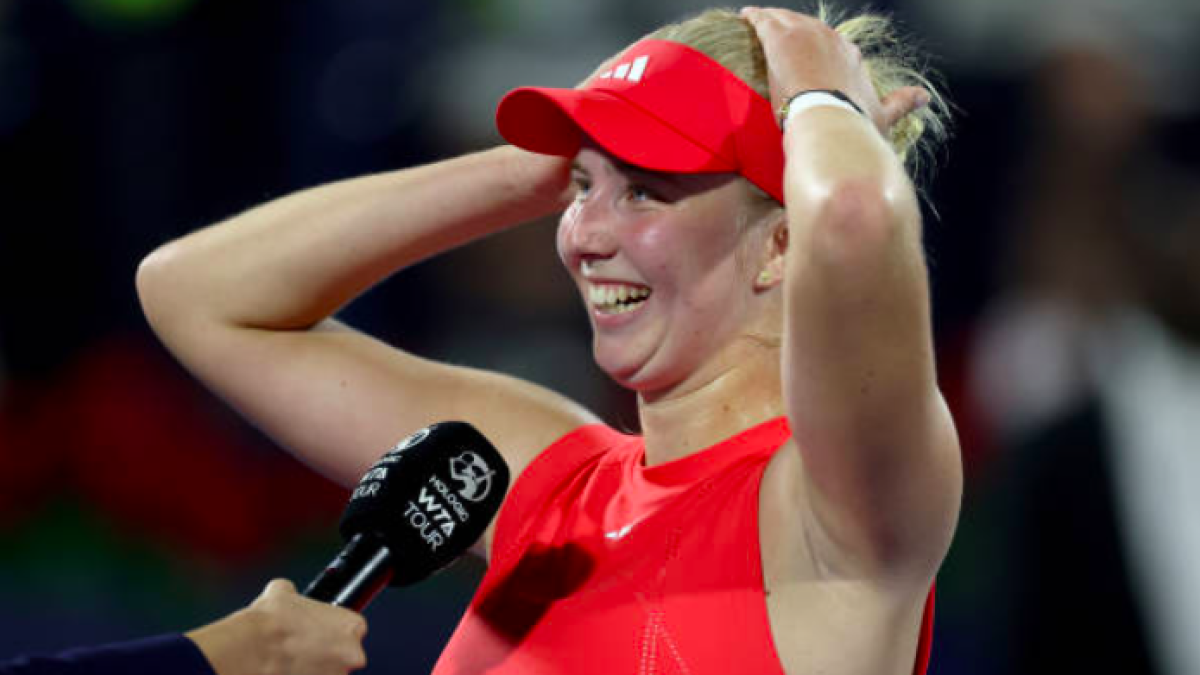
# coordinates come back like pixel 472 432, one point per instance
pixel 857 296
pixel 294 261
pixel 857 283
pixel 145 656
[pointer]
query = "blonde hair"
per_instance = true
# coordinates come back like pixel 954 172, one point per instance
pixel 892 63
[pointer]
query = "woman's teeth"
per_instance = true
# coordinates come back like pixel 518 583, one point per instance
pixel 617 298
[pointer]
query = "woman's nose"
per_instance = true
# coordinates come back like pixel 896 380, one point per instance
pixel 586 231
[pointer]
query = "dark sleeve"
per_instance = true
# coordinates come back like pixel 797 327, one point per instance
pixel 173 654
pixel 1073 606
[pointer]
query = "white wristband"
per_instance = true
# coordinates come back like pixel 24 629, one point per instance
pixel 813 99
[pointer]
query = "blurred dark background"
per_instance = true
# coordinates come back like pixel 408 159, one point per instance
pixel 1064 244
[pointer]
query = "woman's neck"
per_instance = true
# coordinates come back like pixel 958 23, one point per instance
pixel 712 406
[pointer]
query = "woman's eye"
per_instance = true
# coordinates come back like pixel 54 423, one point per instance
pixel 582 187
pixel 641 193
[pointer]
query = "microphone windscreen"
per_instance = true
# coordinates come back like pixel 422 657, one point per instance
pixel 429 498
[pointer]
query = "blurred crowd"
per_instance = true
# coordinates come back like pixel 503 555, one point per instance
pixel 1063 233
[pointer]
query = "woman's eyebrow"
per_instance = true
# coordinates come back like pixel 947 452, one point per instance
pixel 637 173
pixel 646 175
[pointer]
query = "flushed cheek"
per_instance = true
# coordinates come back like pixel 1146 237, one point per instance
pixel 658 249
pixel 671 255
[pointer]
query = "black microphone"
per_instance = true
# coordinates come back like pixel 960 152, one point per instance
pixel 423 504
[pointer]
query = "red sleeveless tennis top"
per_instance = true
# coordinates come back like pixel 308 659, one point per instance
pixel 602 565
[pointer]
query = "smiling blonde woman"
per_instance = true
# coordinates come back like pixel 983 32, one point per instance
pixel 763 291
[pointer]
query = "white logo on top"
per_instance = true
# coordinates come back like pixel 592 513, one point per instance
pixel 618 534
pixel 629 71
pixel 474 474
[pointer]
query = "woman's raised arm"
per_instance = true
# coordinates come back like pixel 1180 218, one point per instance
pixel 245 305
pixel 880 450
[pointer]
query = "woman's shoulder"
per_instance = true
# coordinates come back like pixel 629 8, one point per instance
pixel 580 447
pixel 572 459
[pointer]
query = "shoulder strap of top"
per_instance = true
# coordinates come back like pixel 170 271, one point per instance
pixel 557 463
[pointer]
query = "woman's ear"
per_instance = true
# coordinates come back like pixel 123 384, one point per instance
pixel 771 267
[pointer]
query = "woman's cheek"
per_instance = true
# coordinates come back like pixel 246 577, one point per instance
pixel 657 244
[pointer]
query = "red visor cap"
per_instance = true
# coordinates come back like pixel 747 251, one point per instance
pixel 664 107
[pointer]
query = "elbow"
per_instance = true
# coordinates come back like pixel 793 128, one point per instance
pixel 154 281
pixel 148 273
pixel 856 219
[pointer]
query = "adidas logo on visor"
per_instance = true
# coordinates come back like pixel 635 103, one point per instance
pixel 631 72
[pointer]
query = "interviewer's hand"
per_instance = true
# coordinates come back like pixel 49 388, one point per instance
pixel 284 633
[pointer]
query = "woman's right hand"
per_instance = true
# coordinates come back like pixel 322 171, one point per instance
pixel 546 178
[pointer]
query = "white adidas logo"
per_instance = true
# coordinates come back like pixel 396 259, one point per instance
pixel 631 72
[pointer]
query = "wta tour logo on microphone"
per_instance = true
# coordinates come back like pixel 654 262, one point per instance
pixel 436 489
pixel 437 511
pixel 474 474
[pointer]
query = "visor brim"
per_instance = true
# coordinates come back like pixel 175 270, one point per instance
pixel 554 121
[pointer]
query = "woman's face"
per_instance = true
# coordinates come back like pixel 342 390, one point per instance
pixel 656 257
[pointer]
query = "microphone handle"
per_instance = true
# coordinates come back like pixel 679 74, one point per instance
pixel 356 575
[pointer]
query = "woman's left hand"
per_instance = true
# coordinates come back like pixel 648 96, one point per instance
pixel 804 53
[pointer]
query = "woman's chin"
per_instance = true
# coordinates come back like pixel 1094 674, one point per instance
pixel 635 376
pixel 616 363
